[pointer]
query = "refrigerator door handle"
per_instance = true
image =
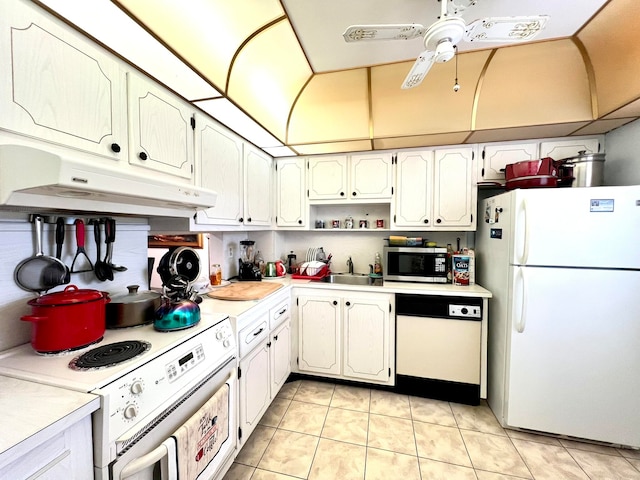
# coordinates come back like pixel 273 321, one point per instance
pixel 524 251
pixel 520 307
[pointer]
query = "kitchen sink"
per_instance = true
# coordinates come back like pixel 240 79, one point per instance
pixel 351 279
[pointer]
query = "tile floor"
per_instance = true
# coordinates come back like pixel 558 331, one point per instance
pixel 316 430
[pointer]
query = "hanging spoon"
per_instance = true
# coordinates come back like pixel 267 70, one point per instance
pixel 102 269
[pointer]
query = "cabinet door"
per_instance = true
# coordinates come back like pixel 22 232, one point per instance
pixel 413 200
pixel 254 388
pixel 161 132
pixel 291 204
pixel 366 332
pixel 328 178
pixel 495 158
pixel 257 192
pixel 219 155
pixel 57 86
pixel 280 356
pixel 319 334
pixel 559 149
pixel 371 177
pixel 453 178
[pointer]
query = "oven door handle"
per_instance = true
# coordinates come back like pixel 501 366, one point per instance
pixel 140 463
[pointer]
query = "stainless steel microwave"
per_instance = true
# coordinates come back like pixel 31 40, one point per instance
pixel 415 264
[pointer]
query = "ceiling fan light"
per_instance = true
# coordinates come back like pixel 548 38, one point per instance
pixel 444 51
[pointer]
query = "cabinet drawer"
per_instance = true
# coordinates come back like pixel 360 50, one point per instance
pixel 279 313
pixel 252 335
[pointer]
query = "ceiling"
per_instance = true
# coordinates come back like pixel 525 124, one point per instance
pixel 280 74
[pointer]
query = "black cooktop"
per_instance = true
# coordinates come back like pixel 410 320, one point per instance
pixel 109 355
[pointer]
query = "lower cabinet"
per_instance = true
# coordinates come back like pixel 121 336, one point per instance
pixel 346 334
pixel 265 363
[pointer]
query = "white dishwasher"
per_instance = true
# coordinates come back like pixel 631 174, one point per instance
pixel 438 347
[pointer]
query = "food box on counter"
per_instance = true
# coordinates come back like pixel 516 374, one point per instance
pixel 463 268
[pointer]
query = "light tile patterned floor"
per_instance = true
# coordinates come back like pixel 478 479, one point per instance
pixel 321 431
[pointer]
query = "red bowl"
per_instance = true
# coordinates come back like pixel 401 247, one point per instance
pixel 528 168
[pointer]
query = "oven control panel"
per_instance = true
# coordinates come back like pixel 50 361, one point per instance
pixel 180 366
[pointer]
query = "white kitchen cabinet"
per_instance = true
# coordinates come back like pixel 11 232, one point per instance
pixel 257 187
pixel 280 356
pixel 435 190
pixel 364 177
pixel 559 149
pixel 264 344
pixel 371 176
pixel 161 129
pixel 219 156
pixel 454 193
pixel 346 334
pixel 291 200
pixel 58 86
pixel 319 334
pixel 65 455
pixel 367 337
pixel 496 156
pixel 328 177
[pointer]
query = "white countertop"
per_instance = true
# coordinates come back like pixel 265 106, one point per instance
pixel 237 308
pixel 31 413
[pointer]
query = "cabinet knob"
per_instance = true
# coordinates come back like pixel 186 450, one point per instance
pixel 353 194
pixel 335 302
pixel 115 148
pixel 426 220
pixel 348 304
pixel 299 222
pixel 249 219
pixel 269 345
pixel 342 194
pixel 142 155
pixel 241 219
pixel 439 220
pixel 275 337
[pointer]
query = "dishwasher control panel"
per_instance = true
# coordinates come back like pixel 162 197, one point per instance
pixel 464 311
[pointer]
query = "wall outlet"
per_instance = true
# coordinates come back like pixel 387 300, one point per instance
pixel 230 252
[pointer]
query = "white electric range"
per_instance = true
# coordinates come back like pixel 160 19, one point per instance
pixel 144 399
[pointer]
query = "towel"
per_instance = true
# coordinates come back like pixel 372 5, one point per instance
pixel 199 439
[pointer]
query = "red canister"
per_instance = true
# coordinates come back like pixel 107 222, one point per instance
pixel 67 320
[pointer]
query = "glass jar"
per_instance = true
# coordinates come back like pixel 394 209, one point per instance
pixel 215 274
pixel 348 222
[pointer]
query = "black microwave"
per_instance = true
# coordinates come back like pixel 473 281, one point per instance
pixel 415 264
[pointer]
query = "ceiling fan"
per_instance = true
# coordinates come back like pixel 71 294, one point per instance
pixel 441 38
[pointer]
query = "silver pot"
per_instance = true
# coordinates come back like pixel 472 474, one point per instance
pixel 133 308
pixel 586 168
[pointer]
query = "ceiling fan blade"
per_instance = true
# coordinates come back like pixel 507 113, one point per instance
pixel 419 70
pixel 505 29
pixel 403 31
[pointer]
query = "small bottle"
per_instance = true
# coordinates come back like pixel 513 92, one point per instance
pixel 377 265
pixel 450 253
pixel 215 274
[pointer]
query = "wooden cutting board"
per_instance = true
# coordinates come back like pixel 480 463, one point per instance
pixel 245 291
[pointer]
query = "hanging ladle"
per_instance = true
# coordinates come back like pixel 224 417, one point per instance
pixel 101 268
pixel 110 233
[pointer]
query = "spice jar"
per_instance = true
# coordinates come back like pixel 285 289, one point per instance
pixel 215 274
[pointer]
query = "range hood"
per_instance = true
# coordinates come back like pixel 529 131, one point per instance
pixel 30 178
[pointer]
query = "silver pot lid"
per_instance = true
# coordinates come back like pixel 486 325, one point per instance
pixel 583 156
pixel 134 296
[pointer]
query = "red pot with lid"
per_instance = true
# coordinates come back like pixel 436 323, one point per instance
pixel 67 320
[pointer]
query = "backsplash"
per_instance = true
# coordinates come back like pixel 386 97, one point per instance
pixel 17 242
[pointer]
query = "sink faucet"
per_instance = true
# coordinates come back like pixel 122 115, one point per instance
pixel 350 265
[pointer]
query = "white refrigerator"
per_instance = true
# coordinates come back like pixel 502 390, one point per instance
pixel 563 266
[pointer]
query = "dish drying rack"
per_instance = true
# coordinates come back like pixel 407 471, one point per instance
pixel 316 266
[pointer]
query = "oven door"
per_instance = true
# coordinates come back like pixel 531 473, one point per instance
pixel 161 451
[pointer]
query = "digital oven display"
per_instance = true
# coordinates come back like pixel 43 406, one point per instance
pixel 185 359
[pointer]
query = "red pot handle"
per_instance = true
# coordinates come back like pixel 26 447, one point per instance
pixel 32 318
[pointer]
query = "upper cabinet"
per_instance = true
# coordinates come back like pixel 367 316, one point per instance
pixel 340 178
pixel 495 157
pixel 257 187
pixel 58 86
pixel 219 153
pixel 161 131
pixel 559 149
pixel 291 204
pixel 435 190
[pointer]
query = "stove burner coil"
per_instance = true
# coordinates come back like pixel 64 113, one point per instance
pixel 109 355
